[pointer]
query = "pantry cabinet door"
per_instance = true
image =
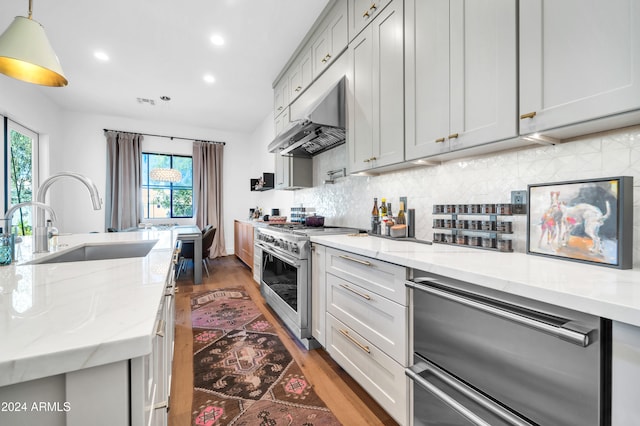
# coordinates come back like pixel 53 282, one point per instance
pixel 388 140
pixel 426 77
pixel 360 95
pixel 579 60
pixel 483 72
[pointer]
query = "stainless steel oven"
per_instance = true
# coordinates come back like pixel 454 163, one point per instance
pixel 484 357
pixel 283 284
pixel 285 281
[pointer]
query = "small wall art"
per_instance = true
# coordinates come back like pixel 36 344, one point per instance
pixel 587 221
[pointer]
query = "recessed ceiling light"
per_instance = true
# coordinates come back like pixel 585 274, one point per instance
pixel 217 40
pixel 208 78
pixel 101 55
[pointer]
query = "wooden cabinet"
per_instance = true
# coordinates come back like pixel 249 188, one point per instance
pixel 301 74
pixel 461 70
pixel 362 12
pixel 293 172
pixel 366 328
pixel 318 293
pixel 375 93
pixel 330 39
pixel 579 61
pixel 243 242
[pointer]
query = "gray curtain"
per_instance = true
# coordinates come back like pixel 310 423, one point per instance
pixel 123 205
pixel 207 191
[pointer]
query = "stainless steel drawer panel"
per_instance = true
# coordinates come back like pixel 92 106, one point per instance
pixel 378 319
pixel 440 399
pixel 549 380
pixel 385 279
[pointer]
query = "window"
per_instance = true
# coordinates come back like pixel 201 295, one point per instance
pixel 21 171
pixel 167 199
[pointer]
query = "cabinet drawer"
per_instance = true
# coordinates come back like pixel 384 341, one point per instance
pixel 379 320
pixel 382 377
pixel 382 278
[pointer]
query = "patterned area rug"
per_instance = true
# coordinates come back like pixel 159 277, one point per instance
pixel 243 374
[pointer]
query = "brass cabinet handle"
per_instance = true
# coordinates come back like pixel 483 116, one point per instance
pixel 363 295
pixel 326 58
pixel 297 89
pixel 362 262
pixel 367 160
pixel 280 108
pixel 453 136
pixel 372 159
pixel 365 15
pixel 346 334
pixel 528 115
pixel 373 6
pixel 439 140
pixel 160 328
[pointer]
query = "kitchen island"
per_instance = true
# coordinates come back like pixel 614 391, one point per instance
pixel 60 320
pixel 605 292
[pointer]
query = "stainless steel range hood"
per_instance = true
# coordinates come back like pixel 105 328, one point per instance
pixel 322 128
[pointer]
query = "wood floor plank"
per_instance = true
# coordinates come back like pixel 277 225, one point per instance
pixel 348 401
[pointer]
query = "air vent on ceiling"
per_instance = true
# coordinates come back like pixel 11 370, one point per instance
pixel 146 101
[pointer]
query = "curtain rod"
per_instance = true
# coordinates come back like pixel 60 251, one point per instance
pixel 163 136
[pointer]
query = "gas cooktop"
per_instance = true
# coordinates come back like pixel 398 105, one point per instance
pixel 300 229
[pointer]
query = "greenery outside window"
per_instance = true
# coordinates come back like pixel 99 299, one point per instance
pixel 22 174
pixel 167 199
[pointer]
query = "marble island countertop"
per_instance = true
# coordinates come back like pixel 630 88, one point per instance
pixel 61 317
pixel 602 291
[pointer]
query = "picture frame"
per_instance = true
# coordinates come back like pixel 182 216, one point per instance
pixel 589 221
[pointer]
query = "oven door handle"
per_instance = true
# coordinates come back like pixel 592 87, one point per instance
pixel 281 254
pixel 423 366
pixel 562 332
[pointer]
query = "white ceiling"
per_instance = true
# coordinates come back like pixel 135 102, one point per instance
pixel 162 48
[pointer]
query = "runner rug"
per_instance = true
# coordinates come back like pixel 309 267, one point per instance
pixel 243 374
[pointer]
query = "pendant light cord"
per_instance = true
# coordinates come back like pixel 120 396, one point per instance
pixel 30 8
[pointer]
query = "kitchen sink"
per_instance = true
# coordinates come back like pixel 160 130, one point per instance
pixel 99 251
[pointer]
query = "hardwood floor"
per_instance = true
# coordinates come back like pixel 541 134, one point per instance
pixel 348 401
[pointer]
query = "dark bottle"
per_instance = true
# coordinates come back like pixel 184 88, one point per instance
pixel 375 218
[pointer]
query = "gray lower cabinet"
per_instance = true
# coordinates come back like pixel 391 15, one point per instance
pixel 625 373
pixel 366 329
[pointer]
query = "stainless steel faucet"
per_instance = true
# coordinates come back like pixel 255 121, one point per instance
pixel 8 216
pixel 40 230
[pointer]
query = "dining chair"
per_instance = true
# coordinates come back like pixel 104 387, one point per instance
pixel 187 252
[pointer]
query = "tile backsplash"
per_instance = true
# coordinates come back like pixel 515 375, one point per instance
pixel 486 179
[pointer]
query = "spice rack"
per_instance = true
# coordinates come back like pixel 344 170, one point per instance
pixel 468 232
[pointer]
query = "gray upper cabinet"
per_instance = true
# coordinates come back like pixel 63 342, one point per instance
pixel 300 75
pixel 331 38
pixel 361 14
pixel 461 74
pixel 293 172
pixel 281 97
pixel 579 61
pixel 375 97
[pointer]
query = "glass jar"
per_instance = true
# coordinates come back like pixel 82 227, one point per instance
pixel 6 249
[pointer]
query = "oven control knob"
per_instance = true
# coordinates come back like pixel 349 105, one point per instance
pixel 294 248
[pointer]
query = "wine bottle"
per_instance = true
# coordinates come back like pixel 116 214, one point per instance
pixel 401 219
pixel 375 217
pixel 383 215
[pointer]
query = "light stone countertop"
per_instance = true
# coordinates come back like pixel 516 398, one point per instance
pixel 61 317
pixel 606 292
